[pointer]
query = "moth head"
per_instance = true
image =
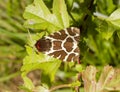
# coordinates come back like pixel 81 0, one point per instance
pixel 43 45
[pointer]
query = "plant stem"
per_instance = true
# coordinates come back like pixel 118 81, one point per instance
pixel 59 86
pixel 78 87
pixel 90 6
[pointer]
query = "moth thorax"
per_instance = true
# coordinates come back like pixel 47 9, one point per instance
pixel 43 45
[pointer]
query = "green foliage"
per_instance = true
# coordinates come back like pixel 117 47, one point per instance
pixel 114 18
pixel 40 61
pixel 39 17
pixel 12 39
pixel 105 6
pixel 74 84
pixel 99 23
pixel 60 11
pixel 78 67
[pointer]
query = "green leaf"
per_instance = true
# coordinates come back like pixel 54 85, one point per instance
pixel 60 10
pixel 114 18
pixel 71 64
pixel 40 61
pixel 108 25
pixel 74 84
pixel 91 43
pixel 24 88
pixel 27 82
pixel 105 6
pixel 69 4
pixel 40 4
pixel 39 17
pixel 78 67
pixel 106 30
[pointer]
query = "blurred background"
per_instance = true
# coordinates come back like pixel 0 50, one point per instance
pixel 12 43
pixel 94 49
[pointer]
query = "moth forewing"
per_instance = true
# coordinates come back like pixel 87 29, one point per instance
pixel 62 44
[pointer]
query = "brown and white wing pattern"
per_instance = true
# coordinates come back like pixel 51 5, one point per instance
pixel 62 44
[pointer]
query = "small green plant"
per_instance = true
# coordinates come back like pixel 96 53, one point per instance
pixel 96 45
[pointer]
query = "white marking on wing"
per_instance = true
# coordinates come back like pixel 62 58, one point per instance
pixel 59 56
pixel 75 45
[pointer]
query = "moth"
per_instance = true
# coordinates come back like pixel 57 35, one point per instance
pixel 62 44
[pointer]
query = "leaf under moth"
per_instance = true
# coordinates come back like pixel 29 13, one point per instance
pixel 27 82
pixel 40 61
